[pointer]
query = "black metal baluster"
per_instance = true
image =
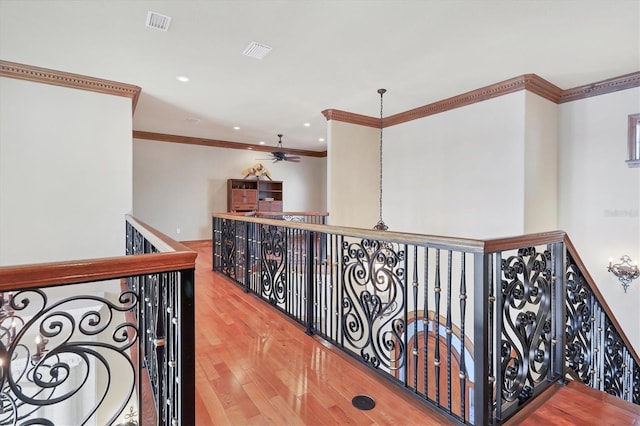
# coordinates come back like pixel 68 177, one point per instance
pixel 449 329
pixel 425 323
pixel 415 320
pixel 491 329
pixel 482 398
pixel 463 307
pixel 310 282
pixel 436 327
pixel 499 333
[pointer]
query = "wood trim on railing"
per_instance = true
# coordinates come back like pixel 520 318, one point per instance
pixel 80 271
pixel 470 245
pixel 151 231
pixel 163 137
pixel 529 240
pixel 603 87
pixel 592 284
pixel 259 213
pixel 74 81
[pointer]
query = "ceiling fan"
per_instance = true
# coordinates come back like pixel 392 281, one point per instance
pixel 281 155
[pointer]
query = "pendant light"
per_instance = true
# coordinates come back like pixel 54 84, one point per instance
pixel 381 226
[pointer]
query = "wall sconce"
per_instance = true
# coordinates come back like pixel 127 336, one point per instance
pixel 633 156
pixel 626 271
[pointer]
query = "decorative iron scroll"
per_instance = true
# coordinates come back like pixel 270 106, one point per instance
pixel 48 354
pixel 526 310
pixel 595 351
pixel 273 273
pixel 374 299
pixel 228 249
pixel 579 325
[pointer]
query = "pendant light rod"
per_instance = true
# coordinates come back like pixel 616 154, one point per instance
pixel 381 226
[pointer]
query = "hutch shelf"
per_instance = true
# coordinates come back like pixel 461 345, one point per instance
pixel 245 195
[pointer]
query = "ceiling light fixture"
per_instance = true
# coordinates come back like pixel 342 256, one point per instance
pixel 182 78
pixel 236 128
pixel 307 124
pixel 320 139
pixel 261 142
pixel 381 226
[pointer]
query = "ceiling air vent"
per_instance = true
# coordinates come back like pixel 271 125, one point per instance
pixel 158 21
pixel 256 50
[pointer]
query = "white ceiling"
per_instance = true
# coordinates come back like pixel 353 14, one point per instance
pixel 326 54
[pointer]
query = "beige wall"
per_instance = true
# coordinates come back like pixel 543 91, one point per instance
pixel 540 164
pixel 178 186
pixel 65 172
pixel 353 170
pixel 599 194
pixel 458 173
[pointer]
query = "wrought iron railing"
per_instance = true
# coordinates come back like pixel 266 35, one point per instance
pixel 89 341
pixel 304 217
pixel 473 328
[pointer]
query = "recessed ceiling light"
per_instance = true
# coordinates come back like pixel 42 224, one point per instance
pixel 307 124
pixel 320 139
pixel 236 128
pixel 182 78
pixel 250 148
pixel 261 142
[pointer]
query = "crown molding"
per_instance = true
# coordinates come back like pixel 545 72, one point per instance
pixel 65 79
pixel 611 85
pixel 350 117
pixel 163 137
pixel 530 82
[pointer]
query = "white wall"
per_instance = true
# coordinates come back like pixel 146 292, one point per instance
pixel 353 170
pixel 599 194
pixel 458 173
pixel 540 164
pixel 179 185
pixel 65 172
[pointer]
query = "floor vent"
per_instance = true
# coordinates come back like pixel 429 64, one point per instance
pixel 363 402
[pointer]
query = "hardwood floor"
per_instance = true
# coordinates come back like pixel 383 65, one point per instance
pixel 577 404
pixel 256 366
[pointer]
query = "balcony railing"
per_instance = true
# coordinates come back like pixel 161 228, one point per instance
pixel 476 329
pixel 100 341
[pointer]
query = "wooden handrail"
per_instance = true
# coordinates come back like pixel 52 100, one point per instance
pixel 467 244
pixel 80 271
pixel 594 288
pixel 529 240
pixel 86 270
pixel 259 213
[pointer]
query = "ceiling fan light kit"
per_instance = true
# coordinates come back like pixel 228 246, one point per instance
pixel 280 155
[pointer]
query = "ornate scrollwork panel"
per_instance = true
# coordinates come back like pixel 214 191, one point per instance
pixel 51 349
pixel 526 311
pixel 228 248
pixel 374 299
pixel 273 261
pixel 579 306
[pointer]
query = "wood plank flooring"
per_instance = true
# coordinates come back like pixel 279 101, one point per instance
pixel 254 366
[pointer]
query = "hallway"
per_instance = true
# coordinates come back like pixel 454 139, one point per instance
pixel 254 365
